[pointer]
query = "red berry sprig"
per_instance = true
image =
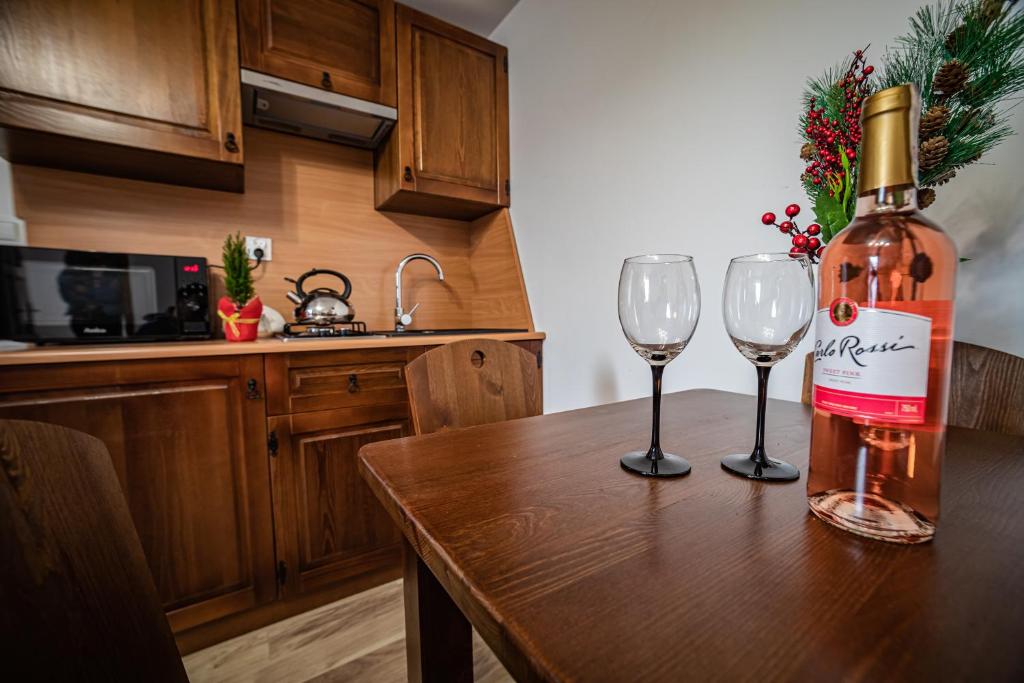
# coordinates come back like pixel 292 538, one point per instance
pixel 843 132
pixel 805 241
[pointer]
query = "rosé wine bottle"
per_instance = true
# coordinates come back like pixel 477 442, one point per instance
pixel 884 339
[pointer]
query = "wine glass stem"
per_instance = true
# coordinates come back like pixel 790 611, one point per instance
pixel 759 455
pixel 655 452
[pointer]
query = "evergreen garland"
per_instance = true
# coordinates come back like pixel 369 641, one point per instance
pixel 238 283
pixel 967 59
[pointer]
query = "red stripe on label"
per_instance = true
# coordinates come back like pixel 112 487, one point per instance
pixel 902 409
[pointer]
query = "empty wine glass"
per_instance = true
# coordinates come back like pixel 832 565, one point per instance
pixel 659 304
pixel 767 304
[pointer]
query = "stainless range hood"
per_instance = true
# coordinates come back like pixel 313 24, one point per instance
pixel 289 107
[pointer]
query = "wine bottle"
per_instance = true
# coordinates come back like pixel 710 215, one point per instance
pixel 883 346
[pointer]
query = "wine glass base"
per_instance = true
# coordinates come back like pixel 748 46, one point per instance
pixel 669 466
pixel 777 470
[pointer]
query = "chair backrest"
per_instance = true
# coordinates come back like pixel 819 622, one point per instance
pixel 78 601
pixel 472 382
pixel 986 389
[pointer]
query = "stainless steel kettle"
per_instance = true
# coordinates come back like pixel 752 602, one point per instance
pixel 323 305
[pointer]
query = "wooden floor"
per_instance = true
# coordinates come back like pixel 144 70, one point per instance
pixel 360 638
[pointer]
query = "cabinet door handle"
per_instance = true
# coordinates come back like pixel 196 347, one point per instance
pixel 231 143
pixel 282 572
pixel 408 174
pixel 326 81
pixel 353 384
pixel 253 392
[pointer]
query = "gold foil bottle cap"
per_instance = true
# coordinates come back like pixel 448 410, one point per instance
pixel 888 155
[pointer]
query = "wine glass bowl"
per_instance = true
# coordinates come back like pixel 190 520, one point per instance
pixel 767 306
pixel 659 305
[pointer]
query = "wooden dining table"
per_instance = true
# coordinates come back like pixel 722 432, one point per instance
pixel 572 569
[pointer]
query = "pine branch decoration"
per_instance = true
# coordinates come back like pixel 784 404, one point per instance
pixel 925 198
pixel 933 151
pixel 933 121
pixel 949 79
pixel 238 283
pixel 966 56
pixel 967 59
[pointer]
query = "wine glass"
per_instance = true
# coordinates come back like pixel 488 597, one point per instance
pixel 767 304
pixel 659 303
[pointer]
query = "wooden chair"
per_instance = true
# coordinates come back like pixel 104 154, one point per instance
pixel 78 601
pixel 986 389
pixel 472 382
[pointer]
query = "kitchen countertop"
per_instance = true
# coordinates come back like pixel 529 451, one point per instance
pixel 220 347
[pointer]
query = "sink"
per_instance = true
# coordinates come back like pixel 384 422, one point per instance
pixel 419 333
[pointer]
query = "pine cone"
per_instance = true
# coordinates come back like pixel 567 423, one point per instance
pixel 933 151
pixel 807 151
pixel 949 79
pixel 934 121
pixel 955 37
pixel 944 178
pixel 990 10
pixel 925 198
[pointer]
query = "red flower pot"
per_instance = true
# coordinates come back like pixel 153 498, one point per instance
pixel 240 324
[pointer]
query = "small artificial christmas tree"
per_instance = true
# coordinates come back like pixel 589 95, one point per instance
pixel 240 309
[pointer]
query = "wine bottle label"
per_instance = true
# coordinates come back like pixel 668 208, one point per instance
pixel 871 362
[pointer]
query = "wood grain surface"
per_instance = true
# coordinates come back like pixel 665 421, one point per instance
pixel 109 86
pixel 572 569
pixel 346 46
pixel 472 382
pixel 201 349
pixel 315 201
pixel 986 389
pixel 78 600
pixel 360 638
pixel 189 449
pixel 448 155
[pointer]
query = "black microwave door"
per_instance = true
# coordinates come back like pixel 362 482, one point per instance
pixel 78 296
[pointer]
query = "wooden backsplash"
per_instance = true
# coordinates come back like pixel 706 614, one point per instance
pixel 315 200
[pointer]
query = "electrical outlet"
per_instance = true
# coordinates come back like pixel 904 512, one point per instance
pixel 254 243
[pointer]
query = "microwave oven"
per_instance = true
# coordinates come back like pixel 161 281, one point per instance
pixel 64 296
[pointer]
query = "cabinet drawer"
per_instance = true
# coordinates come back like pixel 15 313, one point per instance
pixel 325 381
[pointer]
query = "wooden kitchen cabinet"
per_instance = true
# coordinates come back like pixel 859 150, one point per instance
pixel 448 153
pixel 346 46
pixel 240 472
pixel 323 408
pixel 329 526
pixel 144 89
pixel 188 443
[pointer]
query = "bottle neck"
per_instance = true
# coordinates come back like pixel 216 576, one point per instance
pixel 897 199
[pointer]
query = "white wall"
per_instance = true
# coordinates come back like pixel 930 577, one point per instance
pixel 667 126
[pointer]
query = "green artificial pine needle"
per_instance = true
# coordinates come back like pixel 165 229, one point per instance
pixel 986 38
pixel 238 283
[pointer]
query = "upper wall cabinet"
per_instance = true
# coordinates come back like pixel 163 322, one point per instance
pixel 143 89
pixel 448 154
pixel 347 46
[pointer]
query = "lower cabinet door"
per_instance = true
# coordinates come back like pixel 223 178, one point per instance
pixel 188 443
pixel 329 525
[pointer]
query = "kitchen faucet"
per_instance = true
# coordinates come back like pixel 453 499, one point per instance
pixel 401 317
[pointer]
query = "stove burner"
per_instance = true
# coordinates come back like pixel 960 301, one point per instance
pixel 313 330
